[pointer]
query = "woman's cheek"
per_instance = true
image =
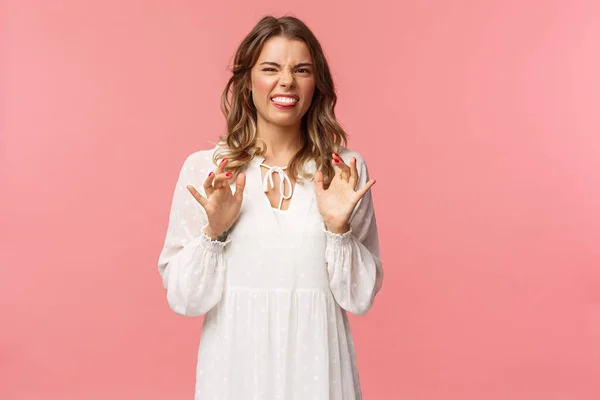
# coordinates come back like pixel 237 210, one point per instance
pixel 308 99
pixel 263 88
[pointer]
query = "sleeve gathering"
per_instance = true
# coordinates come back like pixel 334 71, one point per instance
pixel 192 266
pixel 353 258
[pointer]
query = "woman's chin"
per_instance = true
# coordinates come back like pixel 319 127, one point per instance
pixel 286 121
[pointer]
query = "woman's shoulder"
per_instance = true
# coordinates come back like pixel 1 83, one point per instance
pixel 346 154
pixel 201 159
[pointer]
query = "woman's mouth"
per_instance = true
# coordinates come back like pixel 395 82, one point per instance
pixel 283 102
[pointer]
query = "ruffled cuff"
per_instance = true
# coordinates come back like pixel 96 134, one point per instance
pixel 211 244
pixel 338 239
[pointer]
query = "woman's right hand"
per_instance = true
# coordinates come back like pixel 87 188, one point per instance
pixel 221 205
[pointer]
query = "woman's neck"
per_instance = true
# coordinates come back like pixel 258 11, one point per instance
pixel 282 142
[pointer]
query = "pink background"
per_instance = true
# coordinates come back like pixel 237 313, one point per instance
pixel 480 120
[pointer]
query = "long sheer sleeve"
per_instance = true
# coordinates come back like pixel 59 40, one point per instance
pixel 192 266
pixel 353 263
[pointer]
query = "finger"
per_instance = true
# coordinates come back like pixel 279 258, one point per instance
pixel 208 184
pixel 353 173
pixel 201 199
pixel 240 184
pixel 221 180
pixel 221 167
pixel 319 182
pixel 342 166
pixel 363 190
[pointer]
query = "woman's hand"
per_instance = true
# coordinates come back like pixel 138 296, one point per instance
pixel 338 201
pixel 221 205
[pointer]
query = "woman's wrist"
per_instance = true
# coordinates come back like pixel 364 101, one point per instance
pixel 214 234
pixel 338 229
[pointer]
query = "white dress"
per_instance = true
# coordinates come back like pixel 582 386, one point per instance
pixel 275 295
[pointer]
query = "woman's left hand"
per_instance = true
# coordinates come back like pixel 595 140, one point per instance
pixel 337 202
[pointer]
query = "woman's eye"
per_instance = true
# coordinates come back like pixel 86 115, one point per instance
pixel 299 70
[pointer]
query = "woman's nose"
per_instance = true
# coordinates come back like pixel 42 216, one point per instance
pixel 286 78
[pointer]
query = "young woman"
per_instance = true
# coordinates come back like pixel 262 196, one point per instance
pixel 272 234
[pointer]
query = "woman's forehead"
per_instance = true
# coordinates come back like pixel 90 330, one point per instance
pixel 283 50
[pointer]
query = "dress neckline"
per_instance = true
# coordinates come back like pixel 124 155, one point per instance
pixel 284 180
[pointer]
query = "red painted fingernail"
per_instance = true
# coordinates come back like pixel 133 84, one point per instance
pixel 336 154
pixel 228 174
pixel 335 160
pixel 223 160
pixel 211 174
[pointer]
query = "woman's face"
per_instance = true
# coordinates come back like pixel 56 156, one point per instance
pixel 283 82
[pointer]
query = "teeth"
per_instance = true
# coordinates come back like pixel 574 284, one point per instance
pixel 284 100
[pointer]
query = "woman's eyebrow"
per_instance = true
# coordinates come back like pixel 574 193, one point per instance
pixel 304 64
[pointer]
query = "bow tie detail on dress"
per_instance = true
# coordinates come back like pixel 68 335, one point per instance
pixel 283 178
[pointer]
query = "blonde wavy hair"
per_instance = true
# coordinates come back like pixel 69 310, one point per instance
pixel 321 133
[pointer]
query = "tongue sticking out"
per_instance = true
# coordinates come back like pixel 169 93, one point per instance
pixel 284 103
